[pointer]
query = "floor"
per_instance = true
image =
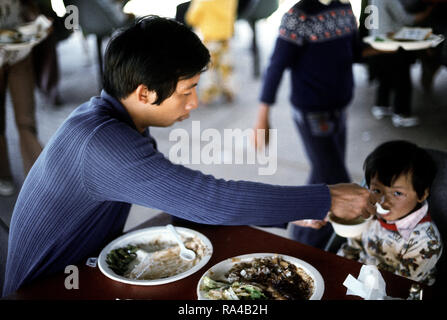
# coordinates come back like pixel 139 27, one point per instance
pixel 79 82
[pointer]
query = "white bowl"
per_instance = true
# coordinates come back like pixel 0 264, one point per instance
pixel 348 228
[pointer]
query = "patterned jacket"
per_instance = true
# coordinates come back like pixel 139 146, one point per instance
pixel 414 258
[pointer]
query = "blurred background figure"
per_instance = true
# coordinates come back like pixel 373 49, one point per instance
pixel 434 58
pixel 16 74
pixel 45 58
pixel 392 70
pixel 214 20
pixel 318 42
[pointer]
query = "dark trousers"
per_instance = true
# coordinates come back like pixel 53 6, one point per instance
pixel 324 138
pixel 394 81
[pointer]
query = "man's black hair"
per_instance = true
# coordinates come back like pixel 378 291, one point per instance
pixel 156 52
pixel 391 159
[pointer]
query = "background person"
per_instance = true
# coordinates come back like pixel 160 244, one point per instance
pixel 392 70
pixel 318 42
pixel 16 74
pixel 214 20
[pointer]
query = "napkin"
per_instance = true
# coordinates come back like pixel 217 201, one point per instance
pixel 369 285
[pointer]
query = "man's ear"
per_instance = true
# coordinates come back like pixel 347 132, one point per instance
pixel 425 196
pixel 144 95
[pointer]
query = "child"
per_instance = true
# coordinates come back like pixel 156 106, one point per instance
pixel 214 19
pixel 401 238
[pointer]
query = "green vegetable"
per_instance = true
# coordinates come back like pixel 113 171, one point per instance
pixel 212 284
pixel 235 291
pixel 255 292
pixel 120 258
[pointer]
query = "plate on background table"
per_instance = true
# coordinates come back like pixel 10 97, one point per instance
pixel 384 43
pixel 26 35
pixel 218 271
pixel 153 256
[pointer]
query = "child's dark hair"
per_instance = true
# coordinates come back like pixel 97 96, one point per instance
pixel 156 52
pixel 391 159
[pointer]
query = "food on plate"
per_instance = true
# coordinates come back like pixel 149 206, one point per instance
pixel 412 34
pixel 157 259
pixel 10 36
pixel 271 278
pixel 120 258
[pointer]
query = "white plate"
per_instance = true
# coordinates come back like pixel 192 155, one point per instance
pixel 146 236
pixel 20 45
pixel 392 45
pixel 218 271
pixel 32 33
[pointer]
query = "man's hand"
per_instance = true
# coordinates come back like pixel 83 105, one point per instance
pixel 349 200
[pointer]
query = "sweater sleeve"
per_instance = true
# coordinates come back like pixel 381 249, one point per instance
pixel 284 55
pixel 120 165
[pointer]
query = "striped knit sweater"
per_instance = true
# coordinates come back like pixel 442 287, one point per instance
pixel 78 194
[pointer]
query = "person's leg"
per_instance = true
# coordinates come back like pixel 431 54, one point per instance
pixel 226 71
pixel 383 93
pixel 7 187
pixel 209 88
pixel 5 171
pixel 403 91
pixel 46 69
pixel 430 64
pixel 21 86
pixel 382 107
pixel 402 85
pixel 324 138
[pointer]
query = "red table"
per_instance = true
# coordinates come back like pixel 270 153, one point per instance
pixel 228 241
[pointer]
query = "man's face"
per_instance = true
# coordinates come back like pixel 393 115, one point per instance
pixel 178 106
pixel 400 198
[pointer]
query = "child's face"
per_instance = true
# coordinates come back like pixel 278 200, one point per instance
pixel 400 198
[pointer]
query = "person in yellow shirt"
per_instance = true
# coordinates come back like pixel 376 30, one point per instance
pixel 214 21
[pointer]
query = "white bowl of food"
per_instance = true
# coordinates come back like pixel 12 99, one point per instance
pixel 348 228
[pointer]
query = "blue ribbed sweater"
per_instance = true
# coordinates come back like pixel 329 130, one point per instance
pixel 78 194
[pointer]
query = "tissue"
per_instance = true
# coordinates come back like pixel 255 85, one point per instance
pixel 369 285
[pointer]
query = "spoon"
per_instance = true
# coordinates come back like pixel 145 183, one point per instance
pixel 381 210
pixel 185 253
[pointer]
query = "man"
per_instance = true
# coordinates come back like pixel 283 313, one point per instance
pixel 103 159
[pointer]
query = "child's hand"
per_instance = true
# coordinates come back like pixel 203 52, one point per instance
pixel 261 138
pixel 310 223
